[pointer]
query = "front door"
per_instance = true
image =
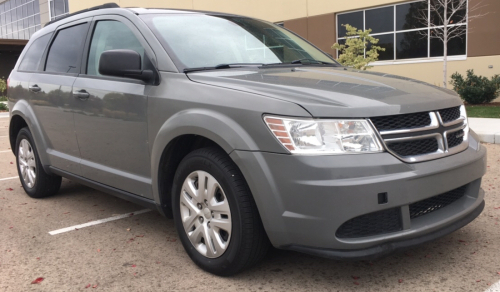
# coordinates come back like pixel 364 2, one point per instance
pixel 111 120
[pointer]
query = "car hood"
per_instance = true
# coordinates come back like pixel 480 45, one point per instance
pixel 334 91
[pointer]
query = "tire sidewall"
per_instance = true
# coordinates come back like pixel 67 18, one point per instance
pixel 227 259
pixel 26 134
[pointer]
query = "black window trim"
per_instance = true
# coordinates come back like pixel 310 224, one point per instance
pixel 396 61
pixel 43 62
pixel 149 53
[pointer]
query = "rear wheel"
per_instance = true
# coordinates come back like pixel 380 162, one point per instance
pixel 35 181
pixel 215 214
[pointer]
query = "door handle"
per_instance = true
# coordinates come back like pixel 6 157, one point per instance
pixel 81 94
pixel 35 88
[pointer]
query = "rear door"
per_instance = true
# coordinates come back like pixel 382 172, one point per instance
pixel 51 95
pixel 111 121
pixel 19 79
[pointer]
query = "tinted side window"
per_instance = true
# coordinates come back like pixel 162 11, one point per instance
pixel 32 58
pixel 111 35
pixel 65 52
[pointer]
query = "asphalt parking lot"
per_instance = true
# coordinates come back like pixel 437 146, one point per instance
pixel 141 252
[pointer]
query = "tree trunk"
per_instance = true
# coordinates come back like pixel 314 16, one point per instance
pixel 445 46
pixel 445 63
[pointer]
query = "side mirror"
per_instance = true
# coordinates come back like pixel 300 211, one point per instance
pixel 123 63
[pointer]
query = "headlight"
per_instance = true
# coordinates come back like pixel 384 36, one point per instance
pixel 308 136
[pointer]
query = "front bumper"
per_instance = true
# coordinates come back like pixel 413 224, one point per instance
pixel 303 200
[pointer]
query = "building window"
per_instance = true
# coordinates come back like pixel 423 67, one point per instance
pixel 58 8
pixel 401 31
pixel 19 19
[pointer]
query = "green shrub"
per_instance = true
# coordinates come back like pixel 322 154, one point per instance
pixel 3 86
pixel 3 107
pixel 3 98
pixel 475 89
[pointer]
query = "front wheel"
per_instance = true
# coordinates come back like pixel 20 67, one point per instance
pixel 215 214
pixel 35 181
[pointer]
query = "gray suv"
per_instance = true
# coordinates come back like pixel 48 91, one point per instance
pixel 244 133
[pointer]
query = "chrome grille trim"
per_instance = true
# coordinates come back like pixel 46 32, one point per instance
pixel 461 119
pixel 462 146
pixel 439 135
pixel 418 158
pixel 434 125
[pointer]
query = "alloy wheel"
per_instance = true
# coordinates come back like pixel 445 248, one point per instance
pixel 205 214
pixel 27 163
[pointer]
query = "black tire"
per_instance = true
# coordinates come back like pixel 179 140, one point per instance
pixel 249 243
pixel 45 184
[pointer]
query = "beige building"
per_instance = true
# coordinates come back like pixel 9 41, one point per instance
pixel 393 22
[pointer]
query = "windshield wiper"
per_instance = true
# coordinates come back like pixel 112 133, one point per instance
pixel 222 66
pixel 303 62
pixel 310 61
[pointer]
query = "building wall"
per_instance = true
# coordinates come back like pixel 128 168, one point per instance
pixel 483 43
pixel 271 10
pixel 315 21
pixel 44 11
pixel 19 19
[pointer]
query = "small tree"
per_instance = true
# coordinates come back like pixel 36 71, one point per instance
pixel 445 20
pixel 3 86
pixel 352 54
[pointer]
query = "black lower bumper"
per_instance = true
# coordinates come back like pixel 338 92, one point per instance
pixel 389 247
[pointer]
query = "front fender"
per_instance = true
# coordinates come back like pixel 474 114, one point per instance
pixel 212 125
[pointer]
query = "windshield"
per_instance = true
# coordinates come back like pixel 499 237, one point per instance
pixel 199 40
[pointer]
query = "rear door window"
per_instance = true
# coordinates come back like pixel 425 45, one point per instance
pixel 66 50
pixel 34 54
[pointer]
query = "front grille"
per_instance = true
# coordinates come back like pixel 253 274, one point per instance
pixel 399 122
pixel 419 137
pixel 414 147
pixel 454 139
pixel 376 223
pixel 435 203
pixel 449 114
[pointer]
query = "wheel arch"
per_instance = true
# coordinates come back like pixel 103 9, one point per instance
pixel 22 115
pixel 185 132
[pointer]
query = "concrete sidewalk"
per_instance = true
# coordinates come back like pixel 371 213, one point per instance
pixel 487 129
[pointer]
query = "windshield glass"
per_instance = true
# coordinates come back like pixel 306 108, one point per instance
pixel 199 40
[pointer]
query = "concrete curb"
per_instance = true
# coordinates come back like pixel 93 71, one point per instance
pixel 488 130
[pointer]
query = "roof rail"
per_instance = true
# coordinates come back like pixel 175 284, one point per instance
pixel 103 6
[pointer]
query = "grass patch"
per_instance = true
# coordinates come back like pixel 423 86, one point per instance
pixel 491 110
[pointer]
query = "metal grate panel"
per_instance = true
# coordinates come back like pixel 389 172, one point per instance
pixel 399 122
pixel 454 139
pixel 414 147
pixel 435 203
pixel 376 223
pixel 449 114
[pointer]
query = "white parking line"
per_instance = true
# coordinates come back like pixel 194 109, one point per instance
pixel 4 136
pixel 92 223
pixel 494 288
pixel 7 178
pixel 3 151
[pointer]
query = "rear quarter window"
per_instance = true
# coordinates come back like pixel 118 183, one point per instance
pixel 32 58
